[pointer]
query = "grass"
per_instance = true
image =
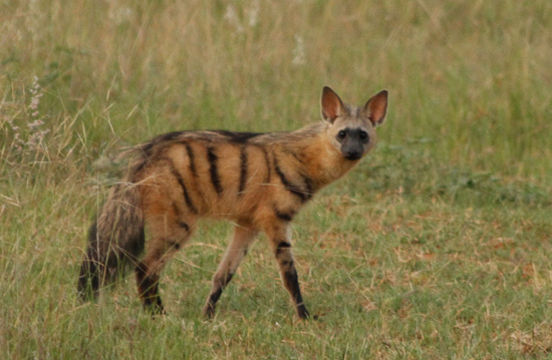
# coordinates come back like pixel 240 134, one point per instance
pixel 436 246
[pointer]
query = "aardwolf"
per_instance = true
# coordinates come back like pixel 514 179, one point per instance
pixel 257 180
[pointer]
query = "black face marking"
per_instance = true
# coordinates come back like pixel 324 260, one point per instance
pixel 353 142
pixel 356 134
pixel 243 169
pixel 178 177
pixel 213 171
pixel 237 137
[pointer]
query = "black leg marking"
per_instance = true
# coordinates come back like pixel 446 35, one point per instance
pixel 281 246
pixel 148 288
pixel 291 281
pixel 290 278
pixel 178 177
pixel 243 169
pixel 213 171
pixel 209 309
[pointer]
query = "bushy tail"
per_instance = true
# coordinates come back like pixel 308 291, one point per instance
pixel 115 240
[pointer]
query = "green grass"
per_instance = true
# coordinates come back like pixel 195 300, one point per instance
pixel 437 246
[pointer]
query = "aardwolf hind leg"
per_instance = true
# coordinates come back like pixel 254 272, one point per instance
pixel 243 237
pixel 167 238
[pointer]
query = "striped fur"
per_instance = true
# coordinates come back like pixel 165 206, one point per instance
pixel 258 180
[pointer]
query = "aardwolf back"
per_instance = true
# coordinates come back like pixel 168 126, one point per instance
pixel 258 180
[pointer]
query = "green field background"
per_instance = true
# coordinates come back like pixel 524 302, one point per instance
pixel 436 246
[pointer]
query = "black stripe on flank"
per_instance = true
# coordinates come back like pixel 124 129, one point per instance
pixel 213 171
pixel 243 169
pixel 292 188
pixel 267 163
pixel 178 177
pixel 190 153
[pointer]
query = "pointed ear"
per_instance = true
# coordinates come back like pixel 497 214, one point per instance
pixel 376 108
pixel 332 106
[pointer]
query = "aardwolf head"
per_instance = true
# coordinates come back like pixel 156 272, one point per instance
pixel 352 129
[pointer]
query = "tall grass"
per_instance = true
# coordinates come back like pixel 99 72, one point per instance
pixel 435 247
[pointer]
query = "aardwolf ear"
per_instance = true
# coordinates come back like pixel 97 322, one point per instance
pixel 376 108
pixel 332 106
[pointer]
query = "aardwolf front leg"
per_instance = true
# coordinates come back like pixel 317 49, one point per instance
pixel 280 240
pixel 243 237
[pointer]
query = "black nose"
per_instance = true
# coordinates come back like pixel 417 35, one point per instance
pixel 353 155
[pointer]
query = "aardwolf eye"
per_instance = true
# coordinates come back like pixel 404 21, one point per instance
pixel 341 135
pixel 363 135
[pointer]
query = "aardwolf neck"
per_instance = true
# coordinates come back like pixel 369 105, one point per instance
pixel 315 155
